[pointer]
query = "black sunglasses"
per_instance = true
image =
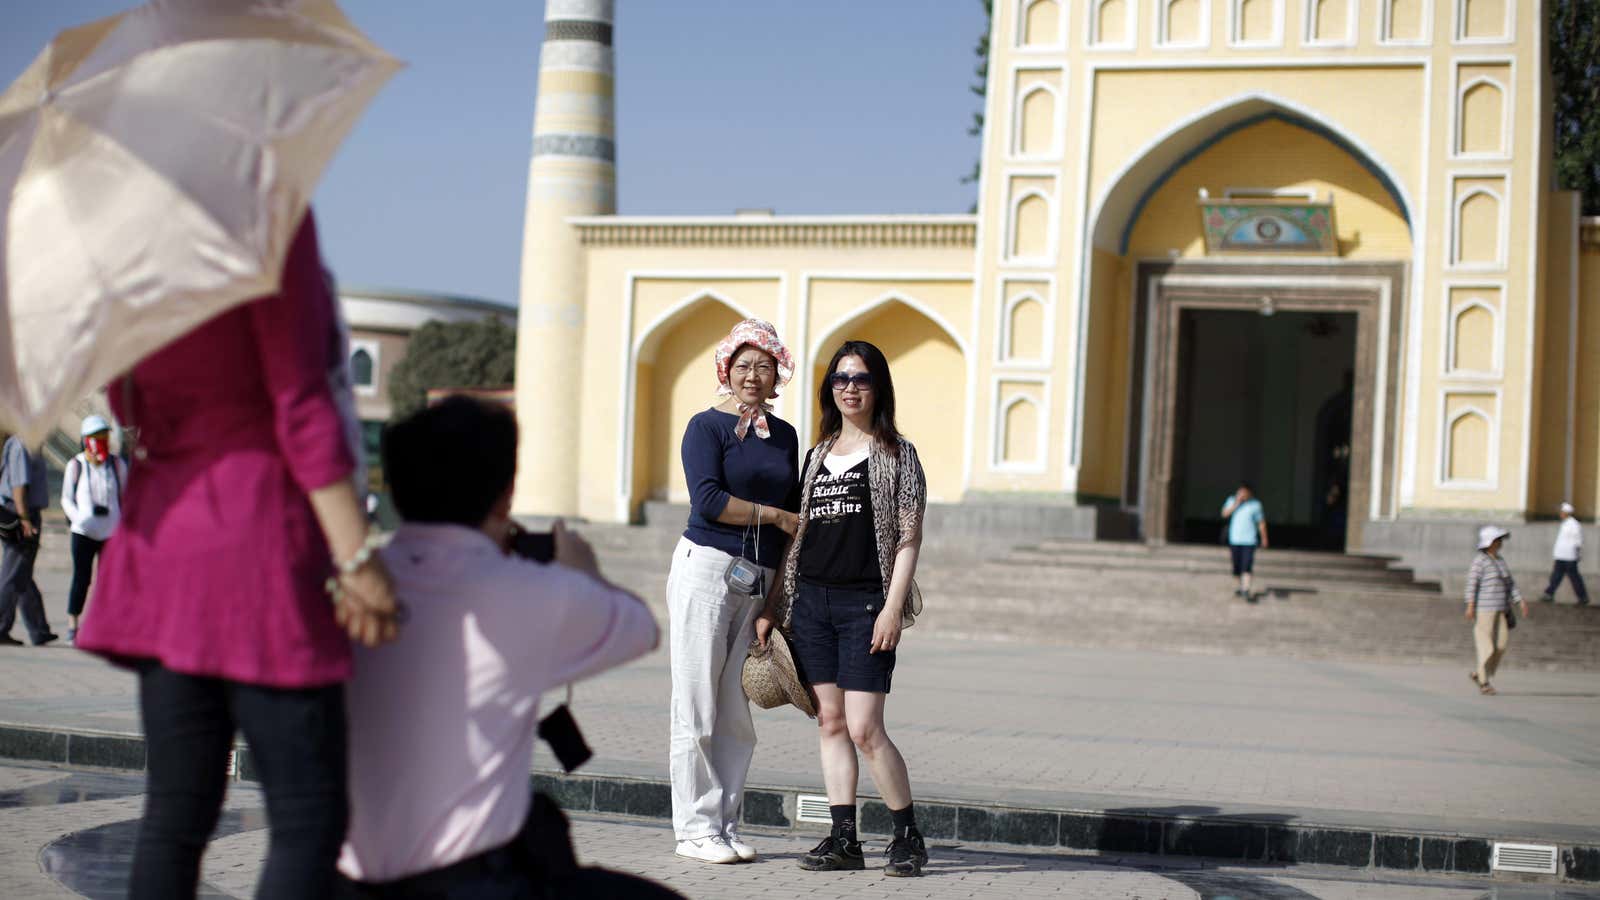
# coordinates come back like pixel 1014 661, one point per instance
pixel 840 381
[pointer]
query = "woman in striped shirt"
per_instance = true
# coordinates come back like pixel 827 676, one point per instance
pixel 1490 592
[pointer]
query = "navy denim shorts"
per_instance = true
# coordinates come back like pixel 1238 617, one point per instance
pixel 1244 558
pixel 832 634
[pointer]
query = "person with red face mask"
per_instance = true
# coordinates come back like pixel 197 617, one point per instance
pixel 91 496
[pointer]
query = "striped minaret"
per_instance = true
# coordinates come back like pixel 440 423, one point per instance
pixel 573 173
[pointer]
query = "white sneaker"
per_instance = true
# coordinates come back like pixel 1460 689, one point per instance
pixel 713 849
pixel 746 852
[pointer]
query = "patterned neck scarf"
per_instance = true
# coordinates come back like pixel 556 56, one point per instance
pixel 762 336
pixel 753 416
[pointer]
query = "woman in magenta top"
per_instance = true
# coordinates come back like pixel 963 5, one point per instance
pixel 238 508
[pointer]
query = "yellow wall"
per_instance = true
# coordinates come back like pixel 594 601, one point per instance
pixel 1280 155
pixel 663 299
pixel 1412 108
pixel 1106 395
pixel 1485 18
pixel 676 380
pixel 1552 387
pixel 1132 108
pixel 930 378
pixel 1586 487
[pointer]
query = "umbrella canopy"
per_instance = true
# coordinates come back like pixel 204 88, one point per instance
pixel 153 168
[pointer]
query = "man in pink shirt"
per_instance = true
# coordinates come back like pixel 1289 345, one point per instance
pixel 443 720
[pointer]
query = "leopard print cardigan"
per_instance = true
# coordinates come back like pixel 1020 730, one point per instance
pixel 899 499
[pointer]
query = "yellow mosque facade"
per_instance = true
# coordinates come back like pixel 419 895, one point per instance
pixel 1309 244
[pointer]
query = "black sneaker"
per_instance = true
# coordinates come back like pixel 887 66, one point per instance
pixel 907 855
pixel 834 855
pixel 50 636
pixel 1548 598
pixel 7 640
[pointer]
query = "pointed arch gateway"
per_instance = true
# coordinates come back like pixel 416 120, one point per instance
pixel 1138 303
pixel 928 361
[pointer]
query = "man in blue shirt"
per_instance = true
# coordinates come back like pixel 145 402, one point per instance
pixel 1247 529
pixel 24 493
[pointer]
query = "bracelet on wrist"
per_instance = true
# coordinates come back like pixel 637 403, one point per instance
pixel 354 564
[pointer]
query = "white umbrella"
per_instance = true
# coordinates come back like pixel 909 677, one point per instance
pixel 153 168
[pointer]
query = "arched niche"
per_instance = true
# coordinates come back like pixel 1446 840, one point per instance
pixel 1019 432
pixel 1111 23
pixel 1183 24
pixel 1256 21
pixel 1467 452
pixel 1482 130
pixel 1477 228
pixel 1330 21
pixel 1030 227
pixel 1036 125
pixel 1473 337
pixel 1025 329
pixel 1041 23
pixel 928 364
pixel 673 380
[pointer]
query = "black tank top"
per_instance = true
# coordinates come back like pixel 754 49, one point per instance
pixel 841 547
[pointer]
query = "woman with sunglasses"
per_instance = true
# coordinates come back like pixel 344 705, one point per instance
pixel 848 592
pixel 741 465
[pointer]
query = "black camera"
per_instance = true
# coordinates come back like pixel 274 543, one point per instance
pixel 560 730
pixel 100 509
pixel 539 546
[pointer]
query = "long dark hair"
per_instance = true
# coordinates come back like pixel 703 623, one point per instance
pixel 883 427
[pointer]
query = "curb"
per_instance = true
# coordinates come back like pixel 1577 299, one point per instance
pixel 1232 838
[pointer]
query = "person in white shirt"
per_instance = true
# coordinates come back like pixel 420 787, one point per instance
pixel 442 721
pixel 91 496
pixel 1568 551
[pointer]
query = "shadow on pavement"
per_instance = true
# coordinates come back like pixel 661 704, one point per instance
pixel 95 862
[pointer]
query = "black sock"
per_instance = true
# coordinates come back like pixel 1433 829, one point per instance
pixel 844 820
pixel 905 820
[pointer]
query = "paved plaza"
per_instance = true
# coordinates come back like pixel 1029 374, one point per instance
pixel 65 833
pixel 1302 741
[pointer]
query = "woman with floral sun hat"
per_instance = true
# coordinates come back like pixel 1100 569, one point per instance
pixel 741 463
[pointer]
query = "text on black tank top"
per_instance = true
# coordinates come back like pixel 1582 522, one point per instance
pixel 840 548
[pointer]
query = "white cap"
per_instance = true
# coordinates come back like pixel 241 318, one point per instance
pixel 1488 534
pixel 93 425
pixel 1567 508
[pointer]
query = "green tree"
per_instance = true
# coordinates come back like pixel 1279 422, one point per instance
pixel 452 355
pixel 980 87
pixel 1575 71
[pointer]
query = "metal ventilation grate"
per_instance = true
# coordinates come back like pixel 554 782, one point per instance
pixel 1536 858
pixel 812 808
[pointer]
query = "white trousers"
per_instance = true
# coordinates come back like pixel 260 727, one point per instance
pixel 713 737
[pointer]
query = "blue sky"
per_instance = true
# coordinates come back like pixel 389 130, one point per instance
pixel 805 106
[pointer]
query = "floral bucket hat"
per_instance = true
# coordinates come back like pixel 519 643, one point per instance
pixel 760 334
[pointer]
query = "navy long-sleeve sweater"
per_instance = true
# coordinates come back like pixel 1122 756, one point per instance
pixel 718 465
